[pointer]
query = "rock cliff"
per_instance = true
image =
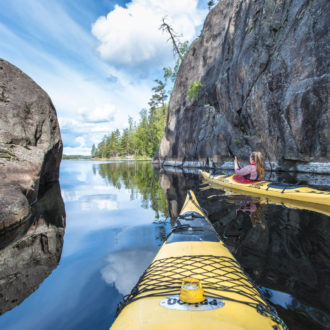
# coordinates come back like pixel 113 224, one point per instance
pixel 264 70
pixel 30 144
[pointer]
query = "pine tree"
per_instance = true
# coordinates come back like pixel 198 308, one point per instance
pixel 93 151
pixel 158 99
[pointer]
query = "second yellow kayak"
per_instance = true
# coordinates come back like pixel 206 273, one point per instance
pixel 277 190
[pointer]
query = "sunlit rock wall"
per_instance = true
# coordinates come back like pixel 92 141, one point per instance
pixel 30 143
pixel 264 67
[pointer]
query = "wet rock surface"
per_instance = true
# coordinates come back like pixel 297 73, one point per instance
pixel 30 144
pixel 265 74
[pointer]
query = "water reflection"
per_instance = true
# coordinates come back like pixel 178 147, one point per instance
pixel 283 249
pixel 33 250
pixel 124 268
pixel 286 302
pixel 118 215
pixel 175 186
pixel 255 212
pixel 140 178
pixel 116 222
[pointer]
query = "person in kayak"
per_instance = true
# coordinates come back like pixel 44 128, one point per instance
pixel 255 171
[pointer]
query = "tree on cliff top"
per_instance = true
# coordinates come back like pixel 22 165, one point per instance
pixel 179 50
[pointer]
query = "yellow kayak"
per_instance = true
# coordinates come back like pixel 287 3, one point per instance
pixel 194 282
pixel 266 199
pixel 272 189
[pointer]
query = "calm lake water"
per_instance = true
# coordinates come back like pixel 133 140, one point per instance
pixel 57 276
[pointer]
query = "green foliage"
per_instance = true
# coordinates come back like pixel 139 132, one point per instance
pixel 93 151
pixel 141 139
pixel 210 4
pixel 140 179
pixel 75 157
pixel 243 130
pixel 193 90
pixel 237 141
pixel 170 73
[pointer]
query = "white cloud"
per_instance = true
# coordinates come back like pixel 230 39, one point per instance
pixel 100 204
pixel 93 97
pixel 125 267
pixel 131 35
pixel 85 151
pixel 92 109
pixel 101 113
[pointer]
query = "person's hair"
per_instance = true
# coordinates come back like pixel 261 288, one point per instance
pixel 258 158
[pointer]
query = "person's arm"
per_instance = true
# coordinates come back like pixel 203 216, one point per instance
pixel 236 163
pixel 244 171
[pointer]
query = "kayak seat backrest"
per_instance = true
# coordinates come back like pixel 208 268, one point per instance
pixel 192 235
pixel 281 185
pixel 191 226
pixel 239 179
pixel 193 219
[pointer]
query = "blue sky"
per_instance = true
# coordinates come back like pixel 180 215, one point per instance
pixel 96 59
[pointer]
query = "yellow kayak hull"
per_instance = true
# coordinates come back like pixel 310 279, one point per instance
pixel 302 194
pixel 220 275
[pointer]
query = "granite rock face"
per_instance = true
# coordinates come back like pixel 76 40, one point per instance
pixel 264 67
pixel 30 143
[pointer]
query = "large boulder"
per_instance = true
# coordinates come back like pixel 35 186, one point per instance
pixel 264 69
pixel 30 144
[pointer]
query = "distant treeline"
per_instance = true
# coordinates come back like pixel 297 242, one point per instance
pixel 140 139
pixel 75 157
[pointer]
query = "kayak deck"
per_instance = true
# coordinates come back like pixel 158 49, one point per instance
pixel 221 277
pixel 232 301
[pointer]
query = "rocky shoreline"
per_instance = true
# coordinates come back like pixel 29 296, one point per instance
pixel 298 167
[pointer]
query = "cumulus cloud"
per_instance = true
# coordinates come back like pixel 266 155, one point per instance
pixel 78 126
pixel 100 114
pixel 130 35
pixel 79 135
pixel 93 110
pixel 92 96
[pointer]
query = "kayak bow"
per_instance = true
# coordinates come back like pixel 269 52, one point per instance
pixel 194 282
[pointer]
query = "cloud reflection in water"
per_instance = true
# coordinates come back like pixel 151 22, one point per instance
pixel 124 268
pixel 99 202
